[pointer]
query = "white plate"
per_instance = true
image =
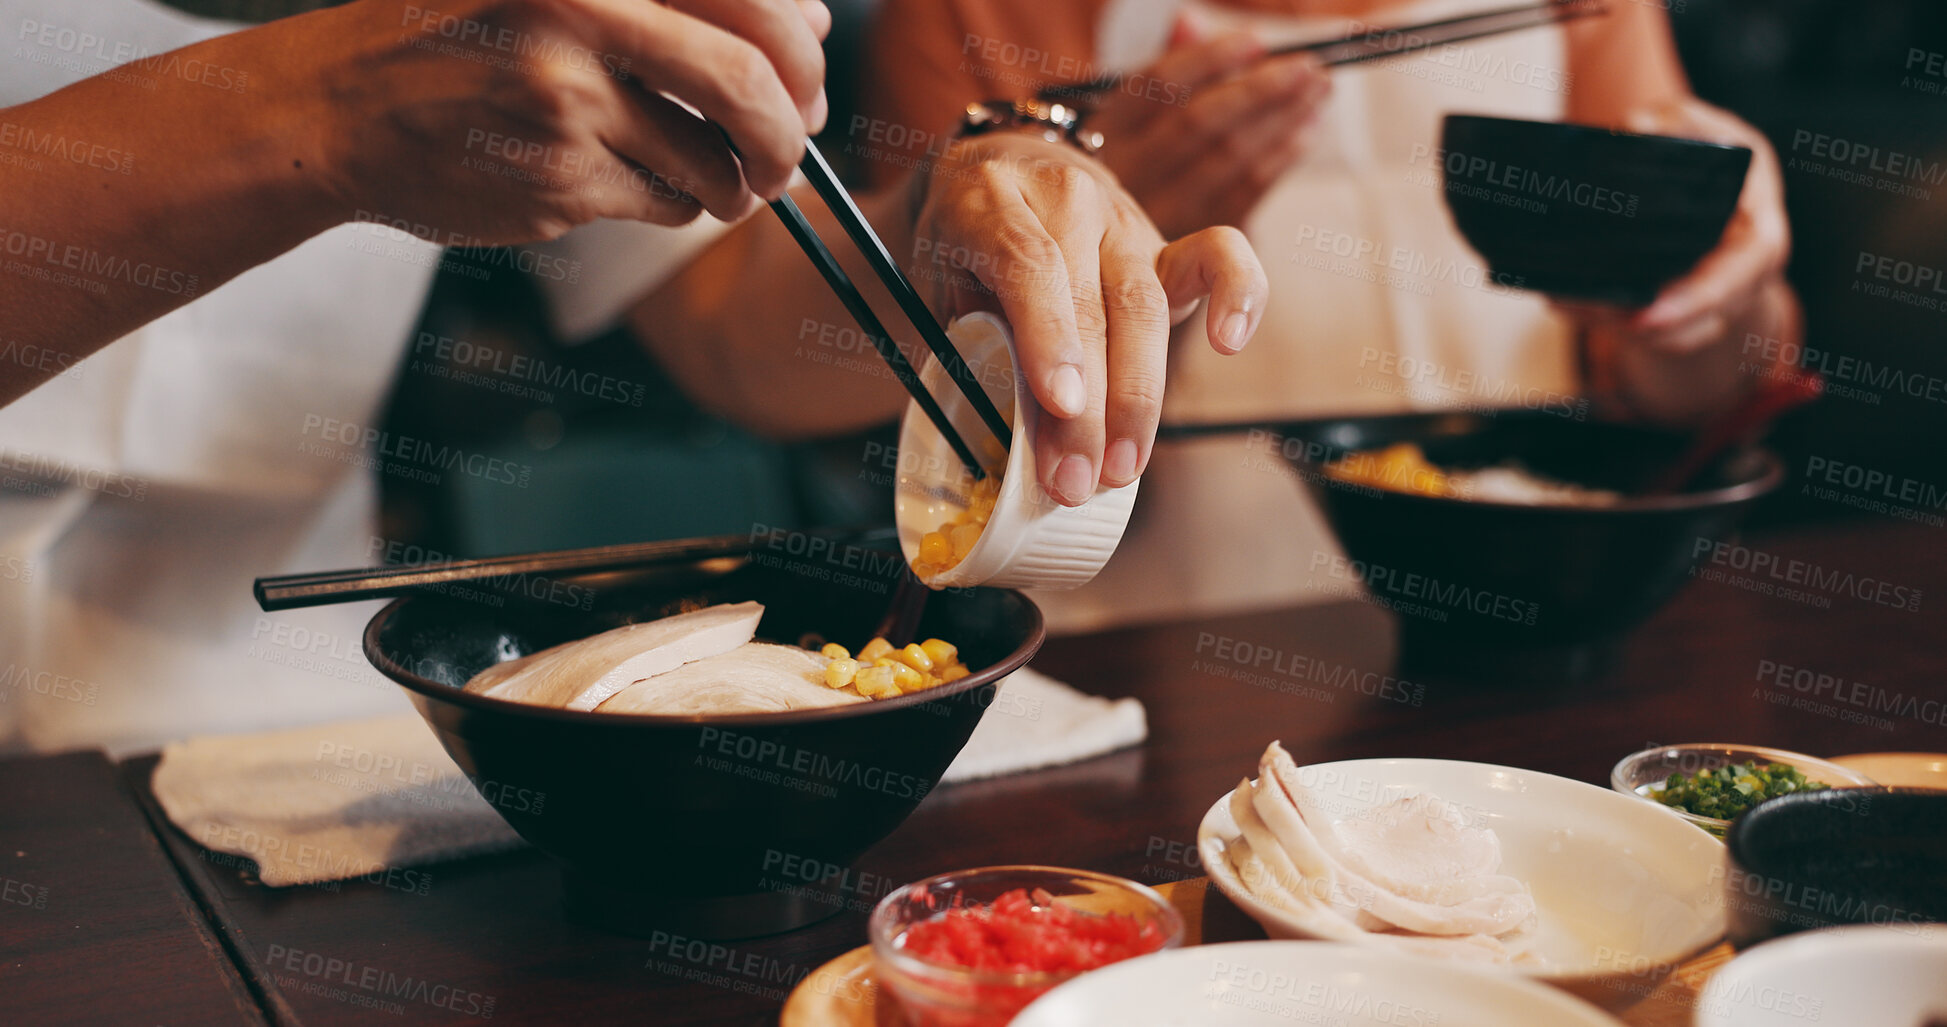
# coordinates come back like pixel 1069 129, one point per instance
pixel 1624 889
pixel 1899 769
pixel 1280 983
pixel 1892 975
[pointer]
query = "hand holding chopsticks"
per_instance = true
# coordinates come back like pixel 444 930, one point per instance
pixel 1042 234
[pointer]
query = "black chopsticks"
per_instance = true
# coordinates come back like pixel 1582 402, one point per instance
pixel 529 574
pixel 839 202
pixel 1375 44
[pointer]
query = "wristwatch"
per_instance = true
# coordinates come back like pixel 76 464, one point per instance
pixel 1057 121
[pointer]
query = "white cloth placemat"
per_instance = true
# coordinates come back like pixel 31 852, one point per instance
pixel 371 798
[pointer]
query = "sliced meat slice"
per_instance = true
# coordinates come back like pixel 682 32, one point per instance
pixel 1493 913
pixel 753 678
pixel 581 675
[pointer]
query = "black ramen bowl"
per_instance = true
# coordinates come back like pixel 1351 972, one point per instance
pixel 708 827
pixel 1845 856
pixel 1584 212
pixel 1511 591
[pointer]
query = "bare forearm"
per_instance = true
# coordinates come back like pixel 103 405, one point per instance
pixel 750 329
pixel 190 179
pixel 1624 61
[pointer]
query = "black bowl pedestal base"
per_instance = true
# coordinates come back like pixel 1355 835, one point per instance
pixel 595 903
pixel 1433 652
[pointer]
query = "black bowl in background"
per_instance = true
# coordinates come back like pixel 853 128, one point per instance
pixel 1844 856
pixel 1587 212
pixel 708 827
pixel 1537 593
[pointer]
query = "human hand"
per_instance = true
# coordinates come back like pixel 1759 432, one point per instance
pixel 1044 234
pixel 503 121
pixel 1202 134
pixel 1670 360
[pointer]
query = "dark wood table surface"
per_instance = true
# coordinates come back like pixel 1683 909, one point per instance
pixel 487 941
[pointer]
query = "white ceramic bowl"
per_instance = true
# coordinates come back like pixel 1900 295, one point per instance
pixel 1894 975
pixel 1624 890
pixel 1279 983
pixel 1030 541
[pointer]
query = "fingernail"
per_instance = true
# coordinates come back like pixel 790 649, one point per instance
pixel 1119 463
pixel 1074 478
pixel 1069 391
pixel 821 109
pixel 1233 333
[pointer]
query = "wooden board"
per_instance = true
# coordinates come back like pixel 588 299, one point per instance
pixel 95 923
pixel 842 993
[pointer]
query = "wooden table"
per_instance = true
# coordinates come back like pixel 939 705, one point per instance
pixel 486 938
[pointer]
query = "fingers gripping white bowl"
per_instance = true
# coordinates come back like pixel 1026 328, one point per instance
pixel 1029 540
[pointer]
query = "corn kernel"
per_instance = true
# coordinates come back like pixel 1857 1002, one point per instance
pixel 934 548
pixel 916 657
pixel 875 683
pixel 840 672
pixel 942 652
pixel 834 651
pixel 954 673
pixel 874 649
pixel 908 679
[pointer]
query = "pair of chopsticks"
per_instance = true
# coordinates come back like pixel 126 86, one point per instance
pixel 1377 44
pixel 839 202
pixel 521 573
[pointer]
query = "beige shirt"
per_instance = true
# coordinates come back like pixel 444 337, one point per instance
pixel 1377 305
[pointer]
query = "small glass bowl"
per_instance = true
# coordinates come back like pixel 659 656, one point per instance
pixel 938 995
pixel 1637 773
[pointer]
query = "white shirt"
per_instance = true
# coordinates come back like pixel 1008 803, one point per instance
pixel 142 490
pixel 1371 288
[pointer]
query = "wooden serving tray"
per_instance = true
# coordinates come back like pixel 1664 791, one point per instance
pixel 842 993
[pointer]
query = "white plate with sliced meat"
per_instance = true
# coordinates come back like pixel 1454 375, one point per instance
pixel 1567 882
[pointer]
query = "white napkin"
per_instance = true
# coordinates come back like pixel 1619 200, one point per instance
pixel 372 798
